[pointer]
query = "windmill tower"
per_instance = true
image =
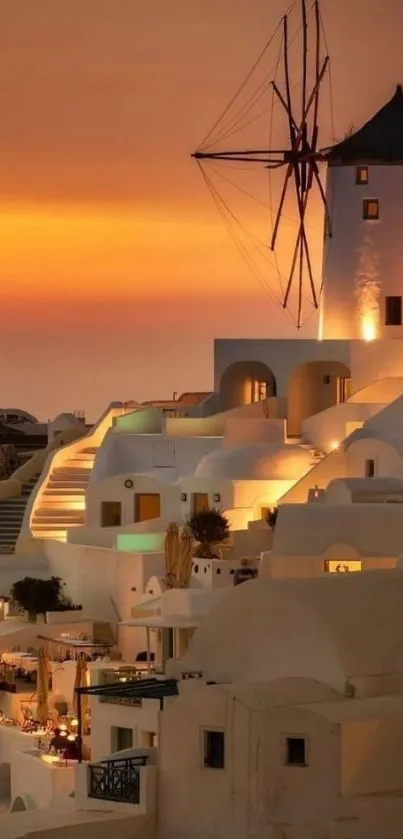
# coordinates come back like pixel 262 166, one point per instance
pixel 363 261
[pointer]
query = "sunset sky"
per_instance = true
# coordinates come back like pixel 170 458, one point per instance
pixel 117 272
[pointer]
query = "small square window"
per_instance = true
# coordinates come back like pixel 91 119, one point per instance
pixel 393 311
pixel 361 175
pixel 370 209
pixel 326 380
pixel 296 751
pixel 213 749
pixel 369 468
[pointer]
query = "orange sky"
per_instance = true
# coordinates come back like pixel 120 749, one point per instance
pixel 117 272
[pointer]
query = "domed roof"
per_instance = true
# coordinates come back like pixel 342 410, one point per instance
pixel 266 630
pixel 257 462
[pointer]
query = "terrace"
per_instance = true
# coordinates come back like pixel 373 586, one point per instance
pixel 127 778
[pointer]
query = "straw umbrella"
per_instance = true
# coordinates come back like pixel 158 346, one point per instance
pixel 81 681
pixel 185 556
pixel 42 707
pixel 171 549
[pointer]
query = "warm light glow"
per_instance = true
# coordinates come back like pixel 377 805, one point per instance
pixel 342 566
pixel 320 323
pixel 74 722
pixel 334 445
pixel 368 328
pixel 62 728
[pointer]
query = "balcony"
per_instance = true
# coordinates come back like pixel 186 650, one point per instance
pixel 116 780
pixel 127 780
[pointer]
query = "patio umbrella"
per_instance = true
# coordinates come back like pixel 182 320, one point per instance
pixel 42 689
pixel 81 681
pixel 171 555
pixel 185 556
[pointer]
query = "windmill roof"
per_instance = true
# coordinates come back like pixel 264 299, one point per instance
pixel 380 140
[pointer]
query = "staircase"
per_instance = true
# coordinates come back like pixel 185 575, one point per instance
pixel 62 503
pixel 11 517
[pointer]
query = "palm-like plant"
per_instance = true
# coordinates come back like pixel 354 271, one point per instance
pixel 209 527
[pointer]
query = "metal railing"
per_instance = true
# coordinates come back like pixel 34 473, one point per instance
pixel 116 780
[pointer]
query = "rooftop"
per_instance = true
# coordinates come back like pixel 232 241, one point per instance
pixel 380 140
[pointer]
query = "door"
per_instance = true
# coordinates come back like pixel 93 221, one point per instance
pixel 199 502
pixel 147 505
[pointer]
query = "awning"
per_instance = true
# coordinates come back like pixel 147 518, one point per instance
pixel 138 689
pixel 166 622
pixel 77 643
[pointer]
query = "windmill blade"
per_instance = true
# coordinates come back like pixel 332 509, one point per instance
pixel 281 206
pixel 323 196
pixel 292 270
pixel 310 272
pixel 300 281
pixel 291 121
pixel 296 128
pixel 315 130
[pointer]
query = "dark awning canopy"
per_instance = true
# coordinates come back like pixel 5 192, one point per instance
pixel 137 689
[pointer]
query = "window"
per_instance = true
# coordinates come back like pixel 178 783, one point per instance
pixel 361 175
pixel 326 380
pixel 260 391
pixel 296 751
pixel 369 468
pixel 213 749
pixel 147 506
pixel 111 514
pixel 393 311
pixel 370 209
pixel 121 738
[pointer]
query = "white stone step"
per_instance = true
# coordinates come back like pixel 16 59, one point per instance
pixel 54 526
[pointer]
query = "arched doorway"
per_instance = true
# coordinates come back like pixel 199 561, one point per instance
pixel 313 387
pixel 244 382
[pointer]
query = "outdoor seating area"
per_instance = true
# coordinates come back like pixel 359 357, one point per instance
pixel 27 703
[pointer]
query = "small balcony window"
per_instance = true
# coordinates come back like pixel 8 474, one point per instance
pixel 370 209
pixel 361 175
pixel 214 749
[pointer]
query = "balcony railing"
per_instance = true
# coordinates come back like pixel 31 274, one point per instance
pixel 116 780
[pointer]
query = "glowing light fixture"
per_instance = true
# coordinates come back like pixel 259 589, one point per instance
pixel 368 328
pixel 334 445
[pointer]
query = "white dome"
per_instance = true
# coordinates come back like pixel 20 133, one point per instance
pixel 266 630
pixel 257 462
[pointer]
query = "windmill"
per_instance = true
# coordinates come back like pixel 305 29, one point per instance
pixel 299 161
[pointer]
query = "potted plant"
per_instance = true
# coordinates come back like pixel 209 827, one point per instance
pixel 38 597
pixel 209 528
